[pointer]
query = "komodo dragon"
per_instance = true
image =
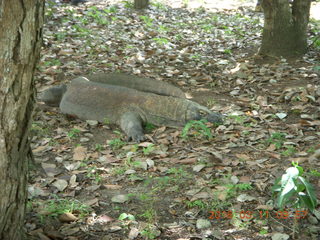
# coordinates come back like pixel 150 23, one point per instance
pixel 52 96
pixel 111 100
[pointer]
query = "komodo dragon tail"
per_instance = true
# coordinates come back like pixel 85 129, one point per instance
pixel 138 83
pixel 53 95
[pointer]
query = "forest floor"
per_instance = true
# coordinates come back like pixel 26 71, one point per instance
pixel 87 182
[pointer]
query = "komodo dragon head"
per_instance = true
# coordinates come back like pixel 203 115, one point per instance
pixel 198 112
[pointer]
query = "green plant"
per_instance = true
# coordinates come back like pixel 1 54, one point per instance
pixel 227 51
pixel 144 197
pixel 161 41
pixel 116 143
pixel 163 29
pixel 311 150
pixel 197 203
pixel 294 190
pixel 233 189
pixel 92 173
pixel 98 147
pixel 82 31
pixel 135 178
pixel 161 183
pixel 65 19
pixel 147 150
pixel 52 62
pixel 315 173
pixel 185 3
pixel 198 127
pixel 217 204
pixel 128 4
pixel 316 41
pixel 38 129
pixel 243 186
pixel 106 121
pixel 124 216
pixel 159 5
pixel 102 21
pixel 149 127
pixel 263 231
pixel 84 20
pixel 98 16
pixel 178 172
pixel 196 57
pixel 245 133
pixel 129 163
pixel 277 139
pixel 83 164
pixel 290 150
pixel 137 164
pixel 149 214
pixel 118 133
pixel 207 27
pixel 237 221
pixel 178 36
pixel 60 35
pixel 182 25
pixel 147 20
pixel 238 119
pixel 73 133
pixel 118 170
pixel 316 68
pixel 211 102
pixel 56 207
pixel 148 233
pixel 111 9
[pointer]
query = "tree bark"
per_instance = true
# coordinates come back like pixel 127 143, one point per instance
pixel 20 41
pixel 285 28
pixel 140 4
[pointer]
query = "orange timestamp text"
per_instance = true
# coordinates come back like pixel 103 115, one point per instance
pixel 258 214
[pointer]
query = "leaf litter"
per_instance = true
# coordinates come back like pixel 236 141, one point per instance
pixel 167 186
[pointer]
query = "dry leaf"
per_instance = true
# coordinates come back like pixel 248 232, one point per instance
pixel 80 153
pixel 67 217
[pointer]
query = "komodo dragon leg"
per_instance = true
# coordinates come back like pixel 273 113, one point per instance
pixel 131 124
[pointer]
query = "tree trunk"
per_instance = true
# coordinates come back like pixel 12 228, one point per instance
pixel 285 28
pixel 20 42
pixel 140 4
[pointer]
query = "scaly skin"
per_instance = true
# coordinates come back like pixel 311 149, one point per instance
pixel 130 104
pixel 138 83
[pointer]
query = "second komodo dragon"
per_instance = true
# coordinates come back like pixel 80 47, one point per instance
pixel 128 101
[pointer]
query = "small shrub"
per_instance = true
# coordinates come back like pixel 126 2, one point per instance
pixel 73 133
pixel 277 139
pixel 294 190
pixel 199 129
pixel 116 143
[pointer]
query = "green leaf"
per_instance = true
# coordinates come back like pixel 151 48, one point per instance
pixel 131 217
pixel 300 170
pixel 311 193
pixel 288 185
pixel 123 216
pixel 276 188
pixel 306 201
pixel 284 197
pixel 300 188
